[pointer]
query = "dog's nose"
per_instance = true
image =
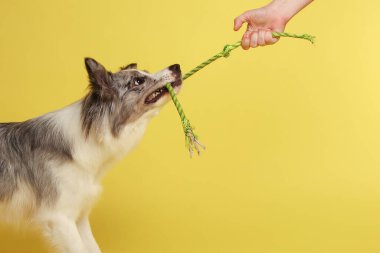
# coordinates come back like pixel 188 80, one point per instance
pixel 175 68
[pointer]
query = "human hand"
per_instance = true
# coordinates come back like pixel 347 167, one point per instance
pixel 261 23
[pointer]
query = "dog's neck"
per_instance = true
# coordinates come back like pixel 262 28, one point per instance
pixel 97 152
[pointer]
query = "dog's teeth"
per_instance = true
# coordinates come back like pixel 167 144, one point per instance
pixel 156 93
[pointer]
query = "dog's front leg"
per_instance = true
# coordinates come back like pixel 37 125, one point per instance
pixel 64 235
pixel 85 232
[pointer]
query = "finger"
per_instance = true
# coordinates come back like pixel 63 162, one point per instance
pixel 254 39
pixel 245 41
pixel 239 21
pixel 269 39
pixel 261 38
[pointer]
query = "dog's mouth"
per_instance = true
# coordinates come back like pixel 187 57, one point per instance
pixel 160 92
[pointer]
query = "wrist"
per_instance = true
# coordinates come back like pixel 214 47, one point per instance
pixel 279 11
pixel 286 9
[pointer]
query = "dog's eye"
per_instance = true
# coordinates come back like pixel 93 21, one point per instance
pixel 139 80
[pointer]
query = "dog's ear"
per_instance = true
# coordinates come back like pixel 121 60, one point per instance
pixel 100 78
pixel 130 66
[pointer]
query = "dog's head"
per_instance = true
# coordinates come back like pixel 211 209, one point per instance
pixel 126 95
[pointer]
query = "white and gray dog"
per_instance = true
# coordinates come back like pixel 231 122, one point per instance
pixel 51 166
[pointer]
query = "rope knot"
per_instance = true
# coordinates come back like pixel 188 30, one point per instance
pixel 226 50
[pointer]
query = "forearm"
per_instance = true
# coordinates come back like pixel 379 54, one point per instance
pixel 288 8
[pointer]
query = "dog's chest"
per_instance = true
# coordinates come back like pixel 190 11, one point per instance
pixel 78 190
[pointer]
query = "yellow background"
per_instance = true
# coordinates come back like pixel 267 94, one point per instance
pixel 292 130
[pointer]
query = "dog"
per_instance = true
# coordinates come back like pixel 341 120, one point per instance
pixel 51 166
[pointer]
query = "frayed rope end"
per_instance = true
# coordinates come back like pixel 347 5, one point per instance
pixel 191 140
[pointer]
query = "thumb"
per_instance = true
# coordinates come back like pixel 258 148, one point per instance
pixel 238 22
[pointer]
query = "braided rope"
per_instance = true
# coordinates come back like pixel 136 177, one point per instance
pixel 224 53
pixel 191 139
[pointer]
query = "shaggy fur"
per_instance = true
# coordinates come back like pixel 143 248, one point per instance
pixel 51 166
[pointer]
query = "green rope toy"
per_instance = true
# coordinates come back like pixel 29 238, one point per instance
pixel 191 139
